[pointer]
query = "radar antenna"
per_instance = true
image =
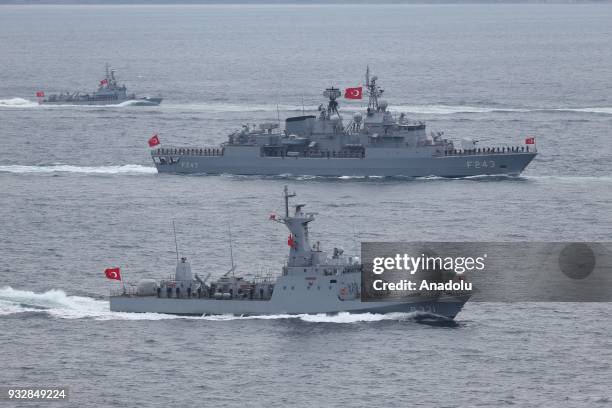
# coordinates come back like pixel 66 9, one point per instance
pixel 332 106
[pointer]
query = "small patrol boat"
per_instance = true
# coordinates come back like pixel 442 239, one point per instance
pixel 311 282
pixel 109 92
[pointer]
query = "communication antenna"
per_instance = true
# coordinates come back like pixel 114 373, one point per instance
pixel 175 241
pixel 287 196
pixel 233 267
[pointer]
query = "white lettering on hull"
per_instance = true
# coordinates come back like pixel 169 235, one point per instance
pixel 477 164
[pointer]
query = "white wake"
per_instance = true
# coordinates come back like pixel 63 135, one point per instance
pixel 348 106
pixel 56 303
pixel 66 168
pixel 17 103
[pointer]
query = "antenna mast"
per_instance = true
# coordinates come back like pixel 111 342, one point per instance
pixel 229 230
pixel 373 91
pixel 287 197
pixel 175 241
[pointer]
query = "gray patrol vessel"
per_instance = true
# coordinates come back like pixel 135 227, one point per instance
pixel 376 143
pixel 312 282
pixel 108 93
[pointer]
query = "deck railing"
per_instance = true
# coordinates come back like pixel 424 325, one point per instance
pixel 488 150
pixel 189 151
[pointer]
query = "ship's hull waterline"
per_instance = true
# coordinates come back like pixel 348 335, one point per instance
pixel 448 307
pixel 106 102
pixel 442 166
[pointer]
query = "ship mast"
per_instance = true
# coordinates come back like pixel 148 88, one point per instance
pixel 300 253
pixel 373 91
pixel 287 197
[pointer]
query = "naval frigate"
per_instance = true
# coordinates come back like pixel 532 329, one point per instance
pixel 375 143
pixel 312 282
pixel 109 92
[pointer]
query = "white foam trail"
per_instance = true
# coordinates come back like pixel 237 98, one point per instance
pixel 572 179
pixel 229 107
pixel 607 110
pixel 346 318
pixel 347 106
pixel 351 107
pixel 26 103
pixel 449 109
pixel 66 168
pixel 59 305
pixel 133 102
pixel 17 103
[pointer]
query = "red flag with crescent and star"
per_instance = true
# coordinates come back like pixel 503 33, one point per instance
pixel 113 273
pixel 353 93
pixel 530 140
pixel 104 82
pixel 40 94
pixel 154 140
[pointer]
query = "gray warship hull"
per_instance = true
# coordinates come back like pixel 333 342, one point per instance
pixel 105 102
pixel 252 164
pixel 447 307
pixel 378 143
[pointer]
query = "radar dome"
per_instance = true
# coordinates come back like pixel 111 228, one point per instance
pixel 357 117
pixel 383 104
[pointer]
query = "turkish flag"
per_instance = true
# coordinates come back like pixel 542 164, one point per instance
pixel 353 93
pixel 40 94
pixel 291 242
pixel 113 273
pixel 104 82
pixel 154 140
pixel 530 140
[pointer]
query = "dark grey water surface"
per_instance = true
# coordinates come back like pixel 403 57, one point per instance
pixel 79 194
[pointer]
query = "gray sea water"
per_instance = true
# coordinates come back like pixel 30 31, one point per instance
pixel 79 194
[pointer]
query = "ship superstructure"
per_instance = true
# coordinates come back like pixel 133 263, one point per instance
pixel 373 143
pixel 109 92
pixel 311 281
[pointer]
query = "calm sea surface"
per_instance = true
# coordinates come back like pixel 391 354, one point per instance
pixel 79 194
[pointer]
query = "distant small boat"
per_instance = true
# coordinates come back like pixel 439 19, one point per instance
pixel 108 93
